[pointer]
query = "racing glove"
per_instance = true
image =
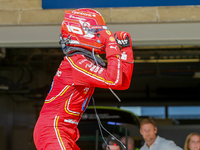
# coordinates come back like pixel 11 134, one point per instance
pixel 107 38
pixel 123 40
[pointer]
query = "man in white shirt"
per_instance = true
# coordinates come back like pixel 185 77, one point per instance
pixel 148 130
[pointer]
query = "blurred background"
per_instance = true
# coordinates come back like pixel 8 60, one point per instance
pixel 166 79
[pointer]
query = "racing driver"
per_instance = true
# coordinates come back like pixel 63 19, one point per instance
pixel 84 35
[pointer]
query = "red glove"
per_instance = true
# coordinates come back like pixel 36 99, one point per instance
pixel 124 41
pixel 107 38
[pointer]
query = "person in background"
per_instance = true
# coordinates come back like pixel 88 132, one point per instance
pixel 113 144
pixel 192 142
pixel 131 143
pixel 148 130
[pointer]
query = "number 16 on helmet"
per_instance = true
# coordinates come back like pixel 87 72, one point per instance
pixel 81 26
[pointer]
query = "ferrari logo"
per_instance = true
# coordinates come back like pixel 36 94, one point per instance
pixel 108 32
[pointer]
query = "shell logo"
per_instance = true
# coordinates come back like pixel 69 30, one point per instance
pixel 112 39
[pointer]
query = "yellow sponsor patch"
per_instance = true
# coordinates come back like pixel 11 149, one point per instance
pixel 112 39
pixel 108 32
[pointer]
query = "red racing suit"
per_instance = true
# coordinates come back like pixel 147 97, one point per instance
pixel 72 87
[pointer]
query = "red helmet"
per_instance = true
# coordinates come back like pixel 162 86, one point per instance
pixel 80 28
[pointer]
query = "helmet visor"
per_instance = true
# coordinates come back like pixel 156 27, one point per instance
pixel 94 29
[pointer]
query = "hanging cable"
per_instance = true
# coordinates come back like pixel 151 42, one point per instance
pixel 94 57
pixel 98 119
pixel 115 95
pixel 102 127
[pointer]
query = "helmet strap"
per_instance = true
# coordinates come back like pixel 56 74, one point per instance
pixel 70 51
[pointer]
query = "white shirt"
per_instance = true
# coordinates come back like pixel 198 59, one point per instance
pixel 161 144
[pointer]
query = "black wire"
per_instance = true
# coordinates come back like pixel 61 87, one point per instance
pixel 99 122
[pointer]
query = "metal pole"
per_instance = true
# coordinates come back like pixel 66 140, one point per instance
pixel 166 112
pixel 97 139
pixel 126 133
